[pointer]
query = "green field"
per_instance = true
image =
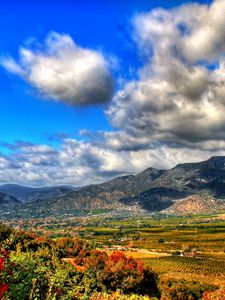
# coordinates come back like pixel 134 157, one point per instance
pixel 188 247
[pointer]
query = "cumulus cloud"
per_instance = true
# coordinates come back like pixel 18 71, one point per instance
pixel 172 113
pixel 64 71
pixel 191 31
pixel 81 163
pixel 207 38
pixel 178 98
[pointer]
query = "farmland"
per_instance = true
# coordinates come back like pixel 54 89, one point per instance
pixel 185 247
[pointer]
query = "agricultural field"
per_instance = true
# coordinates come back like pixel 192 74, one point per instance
pixel 189 268
pixel 187 247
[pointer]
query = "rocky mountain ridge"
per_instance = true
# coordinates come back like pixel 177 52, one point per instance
pixel 149 191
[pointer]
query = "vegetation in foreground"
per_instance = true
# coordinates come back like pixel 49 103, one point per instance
pixel 34 267
pixel 39 267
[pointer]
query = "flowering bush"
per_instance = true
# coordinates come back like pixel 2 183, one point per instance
pixel 35 267
pixel 3 272
pixel 215 295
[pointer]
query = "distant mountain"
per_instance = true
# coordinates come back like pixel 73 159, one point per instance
pixel 30 194
pixel 7 200
pixel 155 199
pixel 207 177
pixel 133 184
pixel 149 191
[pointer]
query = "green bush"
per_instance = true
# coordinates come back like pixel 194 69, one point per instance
pixel 34 270
pixel 183 290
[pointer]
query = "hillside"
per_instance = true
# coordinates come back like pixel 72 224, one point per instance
pixel 196 204
pixel 29 194
pixel 149 191
pixel 7 200
pixel 203 177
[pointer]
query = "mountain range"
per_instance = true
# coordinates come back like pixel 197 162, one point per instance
pixel 29 194
pixel 199 185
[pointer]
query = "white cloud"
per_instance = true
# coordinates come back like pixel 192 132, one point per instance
pixel 62 70
pixel 10 65
pixel 192 32
pixel 207 38
pixel 172 113
pixel 82 163
pixel 174 100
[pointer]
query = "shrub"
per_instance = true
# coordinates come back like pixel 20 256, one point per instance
pixel 119 296
pixel 32 268
pixel 4 232
pixel 3 272
pixel 116 271
pixel 214 295
pixel 183 290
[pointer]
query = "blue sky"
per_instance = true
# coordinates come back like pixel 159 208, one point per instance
pixel 92 24
pixel 126 44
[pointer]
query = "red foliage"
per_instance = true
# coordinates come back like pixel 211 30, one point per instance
pixel 115 257
pixel 214 295
pixel 58 292
pixel 32 235
pixel 116 271
pixel 3 288
pixel 93 260
pixel 3 255
pixel 118 261
pixel 2 260
pixel 129 275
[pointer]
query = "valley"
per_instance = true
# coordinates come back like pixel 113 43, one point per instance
pixel 170 221
pixel 182 247
pixel 187 252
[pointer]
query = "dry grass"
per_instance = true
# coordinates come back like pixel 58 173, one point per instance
pixel 142 253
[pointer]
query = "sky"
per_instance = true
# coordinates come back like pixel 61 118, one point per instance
pixel 90 90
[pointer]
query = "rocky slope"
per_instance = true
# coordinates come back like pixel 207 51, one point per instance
pixel 203 177
pixel 151 190
pixel 196 204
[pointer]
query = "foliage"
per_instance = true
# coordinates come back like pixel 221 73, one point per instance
pixel 117 271
pixel 3 273
pixel 214 295
pixel 33 267
pixel 5 232
pixel 41 271
pixel 119 296
pixel 183 290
